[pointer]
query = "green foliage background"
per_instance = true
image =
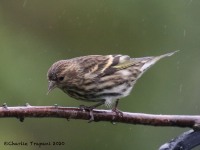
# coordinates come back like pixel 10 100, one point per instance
pixel 34 34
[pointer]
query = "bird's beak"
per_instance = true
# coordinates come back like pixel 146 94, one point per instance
pixel 52 85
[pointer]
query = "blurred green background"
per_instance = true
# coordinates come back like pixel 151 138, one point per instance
pixel 34 34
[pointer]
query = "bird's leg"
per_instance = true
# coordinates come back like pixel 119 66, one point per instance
pixel 117 111
pixel 90 109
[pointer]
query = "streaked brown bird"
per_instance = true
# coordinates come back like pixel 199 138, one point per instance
pixel 99 78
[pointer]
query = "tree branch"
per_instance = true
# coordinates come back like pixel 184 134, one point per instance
pixel 21 112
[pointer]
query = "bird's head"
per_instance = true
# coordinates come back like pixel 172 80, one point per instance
pixel 63 74
pixel 57 75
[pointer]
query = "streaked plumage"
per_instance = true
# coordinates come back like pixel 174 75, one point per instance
pixel 98 78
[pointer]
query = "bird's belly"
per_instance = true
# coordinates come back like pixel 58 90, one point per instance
pixel 111 87
pixel 117 91
pixel 98 94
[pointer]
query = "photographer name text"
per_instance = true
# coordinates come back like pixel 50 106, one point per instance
pixel 33 143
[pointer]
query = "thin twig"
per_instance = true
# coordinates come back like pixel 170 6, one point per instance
pixel 21 112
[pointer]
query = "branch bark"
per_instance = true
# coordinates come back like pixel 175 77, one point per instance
pixel 21 112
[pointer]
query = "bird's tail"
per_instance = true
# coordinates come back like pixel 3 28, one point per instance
pixel 167 55
pixel 154 59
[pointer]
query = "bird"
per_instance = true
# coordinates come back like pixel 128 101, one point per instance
pixel 103 79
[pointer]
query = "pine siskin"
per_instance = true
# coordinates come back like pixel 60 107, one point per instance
pixel 98 78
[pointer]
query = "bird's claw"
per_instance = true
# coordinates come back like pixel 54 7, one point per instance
pixel 118 112
pixel 90 109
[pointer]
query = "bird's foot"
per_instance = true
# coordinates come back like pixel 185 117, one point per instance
pixel 118 112
pixel 90 109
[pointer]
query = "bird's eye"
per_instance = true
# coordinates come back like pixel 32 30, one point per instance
pixel 61 78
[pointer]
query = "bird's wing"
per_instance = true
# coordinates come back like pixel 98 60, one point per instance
pixel 95 66
pixel 99 65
